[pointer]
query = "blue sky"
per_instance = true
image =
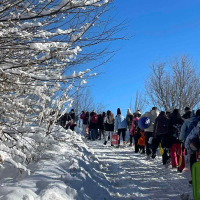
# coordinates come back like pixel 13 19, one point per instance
pixel 160 29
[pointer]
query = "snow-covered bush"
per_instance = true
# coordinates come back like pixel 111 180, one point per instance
pixel 43 42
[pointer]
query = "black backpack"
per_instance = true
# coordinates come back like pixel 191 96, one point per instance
pixel 130 119
pixel 176 130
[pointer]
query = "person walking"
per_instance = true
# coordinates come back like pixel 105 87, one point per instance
pixel 73 116
pixel 192 144
pixel 152 115
pixel 185 132
pixel 129 118
pixel 86 124
pixel 160 132
pixel 100 125
pixel 120 126
pixel 135 131
pixel 93 128
pixel 109 126
pixel 174 128
pixel 82 118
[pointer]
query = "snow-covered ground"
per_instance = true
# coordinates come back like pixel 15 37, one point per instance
pixel 75 168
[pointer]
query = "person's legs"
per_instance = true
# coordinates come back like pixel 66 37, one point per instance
pixel 111 134
pixel 181 152
pixel 90 134
pixel 124 135
pixel 136 143
pixel 193 159
pixel 131 140
pixel 100 133
pixel 119 133
pixel 147 136
pixel 95 134
pixel 106 137
pixel 143 149
pixel 173 155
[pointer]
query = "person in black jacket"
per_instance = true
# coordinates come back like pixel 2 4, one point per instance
pixel 174 129
pixel 109 126
pixel 187 113
pixel 86 124
pixel 65 120
pixel 73 116
pixel 160 132
pixel 100 125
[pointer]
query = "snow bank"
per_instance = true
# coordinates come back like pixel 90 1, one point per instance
pixel 68 169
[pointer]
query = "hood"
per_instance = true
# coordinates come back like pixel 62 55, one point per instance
pixel 129 112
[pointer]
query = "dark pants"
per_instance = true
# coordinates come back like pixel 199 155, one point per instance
pixel 72 127
pixel 131 139
pixel 142 149
pixel 147 136
pixel 94 134
pixel 100 133
pixel 123 131
pixel 193 159
pixel 136 138
pixel 163 139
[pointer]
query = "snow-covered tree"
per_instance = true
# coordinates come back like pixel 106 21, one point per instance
pixel 43 45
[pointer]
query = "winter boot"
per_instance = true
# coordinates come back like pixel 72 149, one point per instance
pixel 105 143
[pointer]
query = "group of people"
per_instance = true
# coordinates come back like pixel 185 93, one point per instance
pixel 68 120
pixel 176 136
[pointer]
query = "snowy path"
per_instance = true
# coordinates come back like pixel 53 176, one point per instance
pixel 131 176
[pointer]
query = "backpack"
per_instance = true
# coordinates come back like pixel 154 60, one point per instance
pixel 129 119
pixel 86 120
pixel 176 130
pixel 136 127
pixel 94 119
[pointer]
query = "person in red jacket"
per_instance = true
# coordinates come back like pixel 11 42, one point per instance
pixel 135 131
pixel 82 115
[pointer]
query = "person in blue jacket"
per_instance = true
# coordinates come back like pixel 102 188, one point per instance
pixel 120 126
pixel 188 125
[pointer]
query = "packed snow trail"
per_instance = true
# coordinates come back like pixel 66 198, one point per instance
pixel 131 176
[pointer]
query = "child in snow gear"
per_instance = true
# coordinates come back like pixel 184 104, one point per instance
pixel 120 126
pixel 109 126
pixel 141 142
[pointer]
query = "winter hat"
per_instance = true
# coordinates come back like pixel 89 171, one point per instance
pixel 187 109
pixel 118 111
pixel 138 112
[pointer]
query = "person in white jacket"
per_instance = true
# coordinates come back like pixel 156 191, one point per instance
pixel 152 115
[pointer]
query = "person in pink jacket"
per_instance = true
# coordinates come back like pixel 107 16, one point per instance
pixel 135 132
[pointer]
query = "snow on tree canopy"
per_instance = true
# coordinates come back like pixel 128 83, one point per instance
pixel 43 44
